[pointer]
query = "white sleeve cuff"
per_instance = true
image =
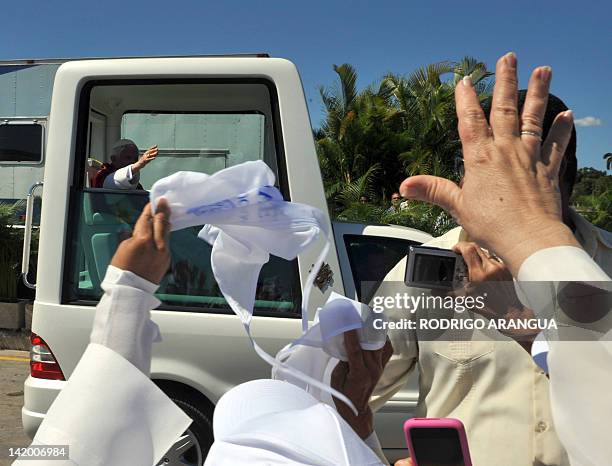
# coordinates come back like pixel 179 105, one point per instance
pixel 561 263
pixel 116 276
pixel 539 351
pixel 123 178
pixel 540 274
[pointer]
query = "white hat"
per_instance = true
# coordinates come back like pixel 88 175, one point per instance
pixel 274 422
pixel 120 145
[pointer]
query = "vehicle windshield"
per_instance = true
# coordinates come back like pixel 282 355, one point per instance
pixel 138 134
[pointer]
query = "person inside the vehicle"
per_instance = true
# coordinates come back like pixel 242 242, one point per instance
pixel 123 172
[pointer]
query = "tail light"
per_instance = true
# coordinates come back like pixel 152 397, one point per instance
pixel 43 364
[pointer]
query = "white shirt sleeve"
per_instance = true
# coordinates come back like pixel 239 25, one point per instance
pixel 580 378
pixel 537 279
pixel 123 318
pixel 561 263
pixel 110 412
pixel 124 178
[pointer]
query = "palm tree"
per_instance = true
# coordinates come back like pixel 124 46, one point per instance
pixel 10 256
pixel 427 104
pixel 350 193
pixel 403 125
pixel 469 66
pixel 355 142
pixel 340 102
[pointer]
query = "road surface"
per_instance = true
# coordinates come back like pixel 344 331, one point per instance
pixel 14 368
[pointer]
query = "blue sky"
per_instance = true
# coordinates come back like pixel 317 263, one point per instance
pixel 575 38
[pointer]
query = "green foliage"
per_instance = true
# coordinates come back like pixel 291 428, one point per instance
pixel 422 216
pixel 10 253
pixel 357 212
pixel 592 197
pixel 591 181
pixel 401 126
pixel 597 209
pixel 417 215
pixel 357 135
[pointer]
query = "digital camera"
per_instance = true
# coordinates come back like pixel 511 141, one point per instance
pixel 435 268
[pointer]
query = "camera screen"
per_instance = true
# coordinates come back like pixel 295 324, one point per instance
pixel 434 269
pixel 436 447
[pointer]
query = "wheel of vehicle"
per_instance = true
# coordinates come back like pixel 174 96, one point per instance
pixel 192 447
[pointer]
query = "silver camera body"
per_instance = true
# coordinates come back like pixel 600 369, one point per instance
pixel 435 268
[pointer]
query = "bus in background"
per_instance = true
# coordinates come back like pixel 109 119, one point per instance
pixel 26 87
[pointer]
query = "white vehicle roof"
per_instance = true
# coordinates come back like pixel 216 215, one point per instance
pixel 389 231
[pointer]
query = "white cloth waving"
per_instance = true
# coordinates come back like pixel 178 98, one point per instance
pixel 246 220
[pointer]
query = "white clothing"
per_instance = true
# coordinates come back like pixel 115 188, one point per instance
pixel 123 318
pixel 580 376
pixel 131 422
pixel 319 350
pixel 123 178
pixel 266 422
pixel 562 263
pixel 245 220
pixel 110 412
pixel 479 376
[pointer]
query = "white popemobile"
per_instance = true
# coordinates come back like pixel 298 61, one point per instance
pixel 205 114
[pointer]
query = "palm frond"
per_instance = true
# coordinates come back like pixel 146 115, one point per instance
pixel 362 186
pixel 469 66
pixel 348 84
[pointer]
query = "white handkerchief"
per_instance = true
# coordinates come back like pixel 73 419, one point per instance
pixel 246 220
pixel 339 315
pixel 317 352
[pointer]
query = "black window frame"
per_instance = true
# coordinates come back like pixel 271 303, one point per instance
pixel 348 237
pixel 27 121
pixel 78 186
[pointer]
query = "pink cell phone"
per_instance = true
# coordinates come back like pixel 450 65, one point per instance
pixel 437 442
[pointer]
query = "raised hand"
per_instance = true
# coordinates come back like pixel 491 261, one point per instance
pixel 509 201
pixel 490 278
pixel 147 252
pixel 357 378
pixel 149 155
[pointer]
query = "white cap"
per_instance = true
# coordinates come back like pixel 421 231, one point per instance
pixel 120 145
pixel 274 422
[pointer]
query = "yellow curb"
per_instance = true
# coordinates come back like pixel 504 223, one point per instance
pixel 8 358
